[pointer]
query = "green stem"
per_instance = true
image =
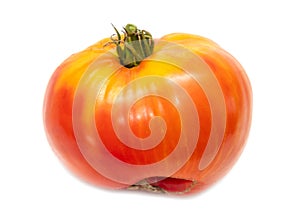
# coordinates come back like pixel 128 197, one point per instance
pixel 134 47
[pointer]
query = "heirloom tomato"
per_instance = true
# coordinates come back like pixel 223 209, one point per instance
pixel 167 115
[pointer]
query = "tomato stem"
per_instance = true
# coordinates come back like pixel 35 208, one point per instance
pixel 133 46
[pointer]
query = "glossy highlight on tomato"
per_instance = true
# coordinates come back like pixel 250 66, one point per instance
pixel 169 115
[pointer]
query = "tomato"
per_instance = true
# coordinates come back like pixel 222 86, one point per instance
pixel 164 115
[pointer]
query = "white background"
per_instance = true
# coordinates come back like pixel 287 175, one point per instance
pixel 263 187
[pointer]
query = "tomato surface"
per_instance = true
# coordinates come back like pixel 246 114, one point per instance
pixel 175 121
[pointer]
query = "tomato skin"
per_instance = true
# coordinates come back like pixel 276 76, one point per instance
pixel 236 91
pixel 58 115
pixel 238 96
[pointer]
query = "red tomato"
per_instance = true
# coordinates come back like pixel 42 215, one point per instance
pixel 167 115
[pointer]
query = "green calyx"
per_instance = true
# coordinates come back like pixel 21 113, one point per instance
pixel 133 46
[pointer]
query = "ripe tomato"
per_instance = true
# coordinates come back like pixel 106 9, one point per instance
pixel 167 115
